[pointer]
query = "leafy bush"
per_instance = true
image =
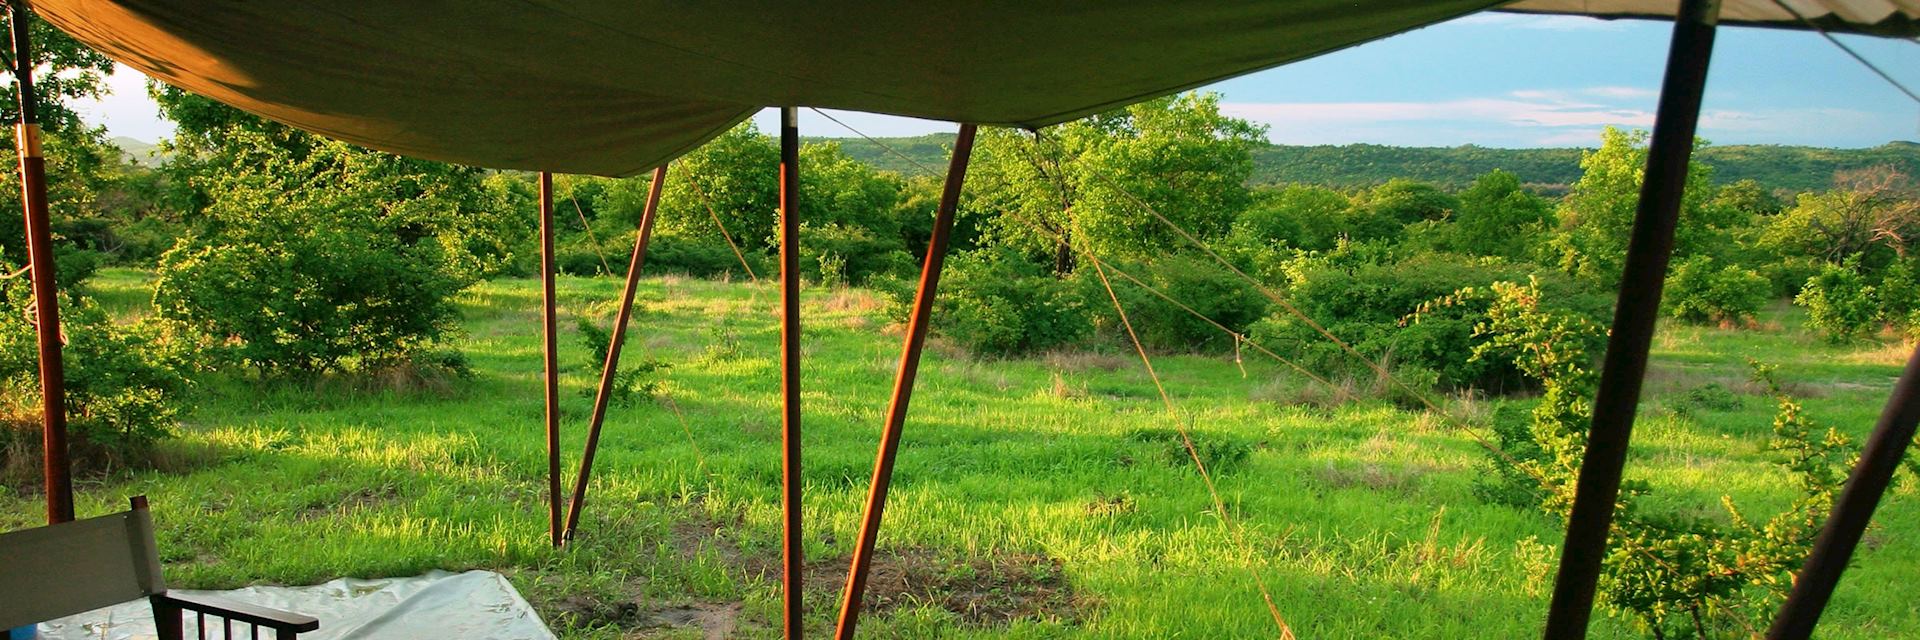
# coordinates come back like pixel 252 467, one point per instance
pixel 1899 293
pixel 1840 303
pixel 835 253
pixel 122 386
pixel 1385 309
pixel 634 380
pixel 704 255
pixel 1673 574
pixel 1220 453
pixel 1161 325
pixel 1702 292
pixel 292 278
pixel 997 303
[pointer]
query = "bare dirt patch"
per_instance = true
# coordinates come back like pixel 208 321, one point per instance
pixel 981 591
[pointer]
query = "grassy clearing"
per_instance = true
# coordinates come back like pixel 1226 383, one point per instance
pixel 1038 490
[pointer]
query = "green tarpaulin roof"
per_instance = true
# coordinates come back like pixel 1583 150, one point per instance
pixel 614 87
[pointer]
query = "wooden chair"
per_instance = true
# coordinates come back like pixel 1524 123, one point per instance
pixel 74 567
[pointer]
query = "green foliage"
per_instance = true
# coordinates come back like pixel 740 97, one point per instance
pixel 995 303
pixel 1303 217
pixel 1840 303
pixel 1385 308
pixel 1674 574
pixel 1496 217
pixel 1899 293
pixel 122 385
pixel 1408 201
pixel 731 178
pixel 1092 182
pixel 1544 171
pixel 1843 223
pixel 1749 197
pixel 314 260
pixel 1196 282
pixel 1597 216
pixel 1703 292
pixel 64 70
pixel 633 380
pixel 1219 452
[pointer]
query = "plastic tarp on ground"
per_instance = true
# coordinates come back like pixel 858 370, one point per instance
pixel 615 87
pixel 476 605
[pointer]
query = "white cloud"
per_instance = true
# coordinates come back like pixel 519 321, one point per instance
pixel 1620 92
pixel 1536 117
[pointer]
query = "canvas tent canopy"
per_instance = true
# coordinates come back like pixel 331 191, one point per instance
pixel 615 87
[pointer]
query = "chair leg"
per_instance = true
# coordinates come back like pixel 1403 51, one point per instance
pixel 168 620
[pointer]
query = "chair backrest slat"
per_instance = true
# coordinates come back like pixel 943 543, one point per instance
pixel 74 567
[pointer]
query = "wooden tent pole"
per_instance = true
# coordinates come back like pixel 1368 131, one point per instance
pixel 790 479
pixel 642 235
pixel 46 300
pixel 917 323
pixel 1853 509
pixel 1635 312
pixel 549 327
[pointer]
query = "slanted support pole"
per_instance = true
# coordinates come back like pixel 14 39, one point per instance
pixel 46 295
pixel 1891 437
pixel 1635 312
pixel 790 480
pixel 917 323
pixel 549 326
pixel 642 236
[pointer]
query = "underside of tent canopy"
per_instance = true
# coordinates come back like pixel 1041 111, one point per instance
pixel 1895 18
pixel 615 87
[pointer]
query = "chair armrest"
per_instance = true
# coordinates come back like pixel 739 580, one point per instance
pixel 240 612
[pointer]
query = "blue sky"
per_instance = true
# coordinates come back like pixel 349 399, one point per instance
pixel 1498 80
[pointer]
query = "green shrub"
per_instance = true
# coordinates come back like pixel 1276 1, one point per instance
pixel 1384 309
pixel 835 253
pixel 676 251
pixel 1788 275
pixel 1161 325
pixel 1840 304
pixel 1702 292
pixel 634 380
pixel 1220 453
pixel 291 278
pixel 123 387
pixel 1673 574
pixel 1899 292
pixel 996 303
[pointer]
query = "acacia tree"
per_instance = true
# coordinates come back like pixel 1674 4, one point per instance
pixel 1873 213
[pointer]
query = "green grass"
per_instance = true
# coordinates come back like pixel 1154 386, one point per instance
pixel 1362 518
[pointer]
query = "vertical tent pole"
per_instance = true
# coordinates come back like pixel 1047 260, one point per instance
pixel 642 236
pixel 791 560
pixel 1635 312
pixel 549 348
pixel 917 323
pixel 46 301
pixel 1853 509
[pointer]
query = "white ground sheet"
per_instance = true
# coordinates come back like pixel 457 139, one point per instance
pixel 472 605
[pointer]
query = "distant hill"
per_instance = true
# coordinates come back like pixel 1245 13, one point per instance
pixel 145 154
pixel 1548 170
